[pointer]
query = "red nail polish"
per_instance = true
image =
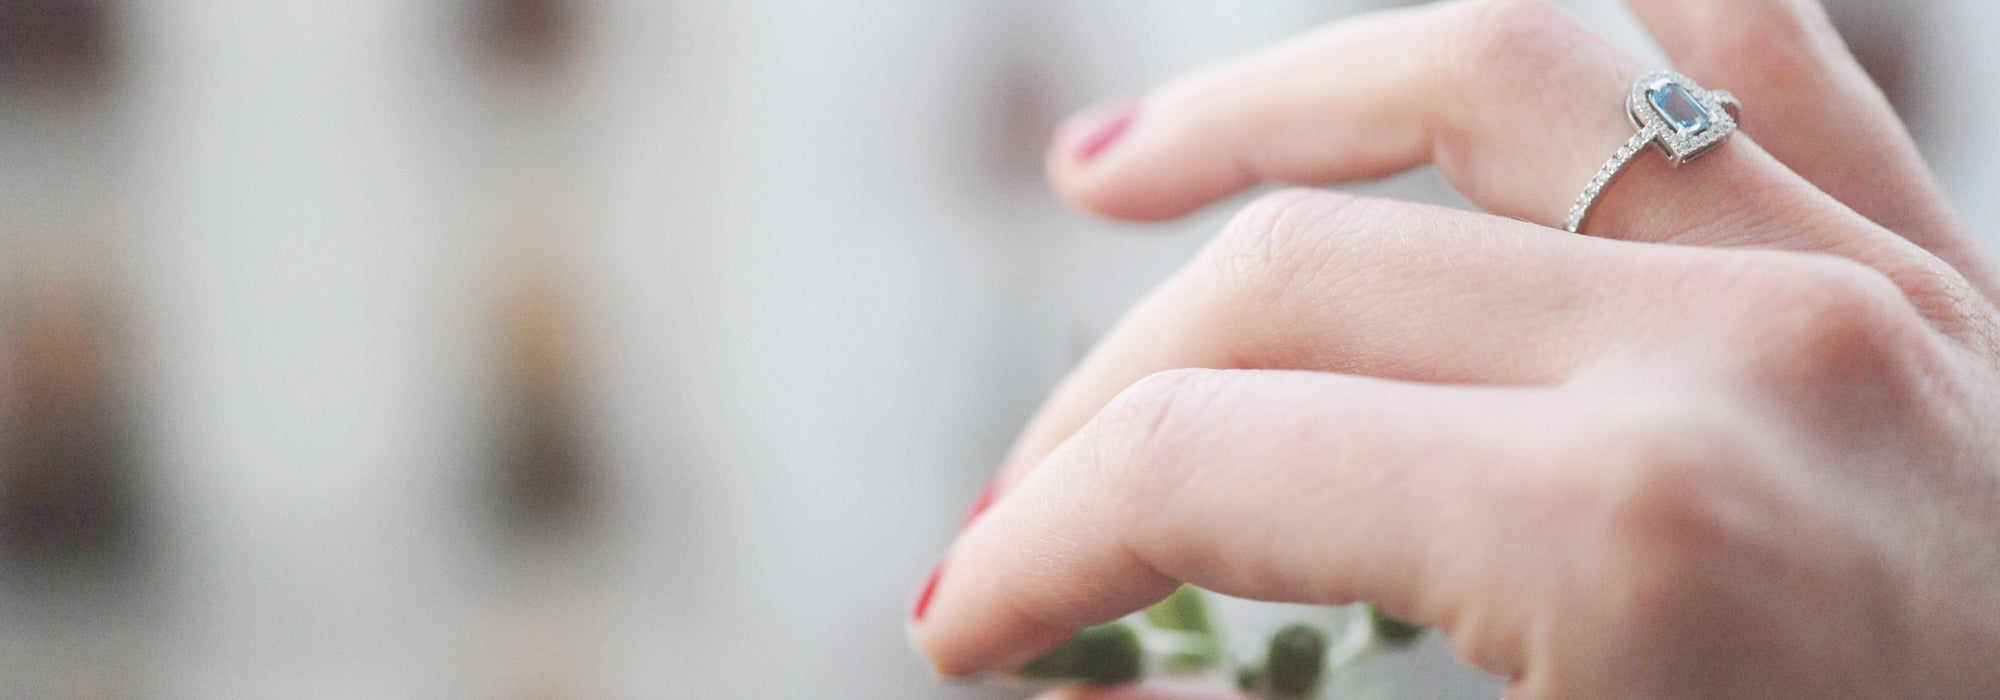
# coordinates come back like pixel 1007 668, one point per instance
pixel 1088 134
pixel 979 505
pixel 924 597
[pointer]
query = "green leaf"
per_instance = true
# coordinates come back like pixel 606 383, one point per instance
pixel 1185 610
pixel 1390 631
pixel 1248 678
pixel 1107 654
pixel 1191 663
pixel 1296 661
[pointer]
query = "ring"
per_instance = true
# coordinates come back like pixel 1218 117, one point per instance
pixel 1671 112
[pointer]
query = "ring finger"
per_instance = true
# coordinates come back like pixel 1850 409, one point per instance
pixel 1514 101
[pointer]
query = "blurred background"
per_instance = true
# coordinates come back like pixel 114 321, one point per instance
pixel 584 348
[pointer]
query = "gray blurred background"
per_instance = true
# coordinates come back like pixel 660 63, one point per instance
pixel 583 348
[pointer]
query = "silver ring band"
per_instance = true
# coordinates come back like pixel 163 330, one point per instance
pixel 1671 112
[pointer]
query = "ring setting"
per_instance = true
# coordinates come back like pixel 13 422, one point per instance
pixel 1672 113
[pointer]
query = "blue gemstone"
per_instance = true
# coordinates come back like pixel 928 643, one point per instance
pixel 1679 108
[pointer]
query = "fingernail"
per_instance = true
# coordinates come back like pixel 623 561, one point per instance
pixel 979 505
pixel 1093 130
pixel 924 597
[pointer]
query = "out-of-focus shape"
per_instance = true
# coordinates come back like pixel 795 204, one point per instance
pixel 539 653
pixel 543 473
pixel 1883 38
pixel 1027 111
pixel 527 35
pixel 54 42
pixel 66 463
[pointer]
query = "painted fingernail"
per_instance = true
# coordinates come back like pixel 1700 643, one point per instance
pixel 1093 130
pixel 979 505
pixel 924 596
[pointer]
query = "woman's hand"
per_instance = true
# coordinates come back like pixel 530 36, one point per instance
pixel 1741 441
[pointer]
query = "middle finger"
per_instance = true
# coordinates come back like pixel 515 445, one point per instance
pixel 1317 280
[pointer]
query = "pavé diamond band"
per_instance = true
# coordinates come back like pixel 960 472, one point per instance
pixel 1671 112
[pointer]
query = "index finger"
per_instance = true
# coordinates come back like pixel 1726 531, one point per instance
pixel 1297 486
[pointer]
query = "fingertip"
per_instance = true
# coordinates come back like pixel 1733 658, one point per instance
pixel 964 637
pixel 923 633
pixel 988 611
pixel 922 605
pixel 1083 143
pixel 1106 191
pixel 1089 133
pixel 1092 159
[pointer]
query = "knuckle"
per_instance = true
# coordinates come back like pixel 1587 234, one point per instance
pixel 1282 239
pixel 1669 509
pixel 1661 460
pixel 1694 520
pixel 1811 314
pixel 1788 38
pixel 1529 36
pixel 1820 296
pixel 1504 51
pixel 1140 439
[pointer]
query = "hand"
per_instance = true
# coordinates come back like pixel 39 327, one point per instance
pixel 1743 440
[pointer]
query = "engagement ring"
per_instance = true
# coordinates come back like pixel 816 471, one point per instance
pixel 1673 113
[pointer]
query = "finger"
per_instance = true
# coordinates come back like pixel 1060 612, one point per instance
pixel 1315 279
pixel 1816 111
pixel 1302 487
pixel 1517 105
pixel 1366 98
pixel 1324 281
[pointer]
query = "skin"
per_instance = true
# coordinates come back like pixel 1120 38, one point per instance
pixel 1742 440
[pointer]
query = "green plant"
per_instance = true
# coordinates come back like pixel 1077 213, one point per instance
pixel 1179 637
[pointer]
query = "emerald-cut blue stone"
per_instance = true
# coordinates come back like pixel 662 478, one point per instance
pixel 1679 107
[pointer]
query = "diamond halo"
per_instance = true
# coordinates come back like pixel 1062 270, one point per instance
pixel 1705 119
